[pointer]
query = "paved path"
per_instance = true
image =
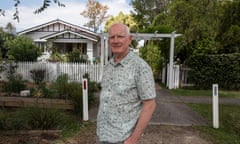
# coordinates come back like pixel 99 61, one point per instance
pixel 173 110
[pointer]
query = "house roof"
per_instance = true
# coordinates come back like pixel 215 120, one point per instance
pixel 67 31
pixel 79 31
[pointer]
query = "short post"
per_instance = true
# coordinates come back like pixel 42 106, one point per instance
pixel 85 99
pixel 215 106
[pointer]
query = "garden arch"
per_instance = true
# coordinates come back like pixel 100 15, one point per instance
pixel 143 36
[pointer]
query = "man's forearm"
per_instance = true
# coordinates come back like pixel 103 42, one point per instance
pixel 145 116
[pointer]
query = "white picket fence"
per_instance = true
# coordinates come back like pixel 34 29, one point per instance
pixel 175 76
pixel 75 71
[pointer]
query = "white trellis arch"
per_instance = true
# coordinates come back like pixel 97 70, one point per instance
pixel 143 36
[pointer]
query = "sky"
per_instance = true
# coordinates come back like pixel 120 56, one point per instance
pixel 70 13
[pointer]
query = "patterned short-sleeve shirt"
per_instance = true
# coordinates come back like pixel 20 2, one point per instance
pixel 124 86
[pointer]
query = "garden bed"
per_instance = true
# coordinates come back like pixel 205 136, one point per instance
pixel 41 102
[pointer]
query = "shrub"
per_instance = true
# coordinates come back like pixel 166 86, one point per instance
pixel 15 84
pixel 60 86
pixel 77 56
pixel 13 121
pixel 22 48
pixel 38 75
pixel 74 92
pixel 43 118
pixel 31 118
pixel 222 69
pixel 55 56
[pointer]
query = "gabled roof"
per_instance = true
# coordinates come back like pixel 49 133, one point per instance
pixel 53 22
pixel 68 31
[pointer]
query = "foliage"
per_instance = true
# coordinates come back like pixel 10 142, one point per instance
pixel 43 118
pixel 74 92
pixel 13 121
pixel 15 84
pixel 93 87
pixel 56 56
pixel 231 40
pixel 96 13
pixel 61 86
pixel 152 56
pixel 4 37
pixel 228 132
pixel 46 4
pixel 38 75
pixel 35 118
pixel 144 11
pixel 22 48
pixel 77 56
pixel 207 27
pixel 199 24
pixel 228 35
pixel 209 69
pixel 121 18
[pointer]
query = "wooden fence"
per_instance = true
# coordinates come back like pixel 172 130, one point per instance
pixel 75 71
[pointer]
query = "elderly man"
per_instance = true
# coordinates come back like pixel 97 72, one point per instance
pixel 127 99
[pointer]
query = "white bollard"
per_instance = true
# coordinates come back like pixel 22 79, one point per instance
pixel 85 99
pixel 215 106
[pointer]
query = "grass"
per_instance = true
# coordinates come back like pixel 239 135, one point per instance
pixel 189 92
pixel 30 118
pixel 229 115
pixel 229 130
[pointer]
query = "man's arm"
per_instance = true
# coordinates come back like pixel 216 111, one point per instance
pixel 145 116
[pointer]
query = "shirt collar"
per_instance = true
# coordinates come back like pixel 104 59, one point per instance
pixel 124 61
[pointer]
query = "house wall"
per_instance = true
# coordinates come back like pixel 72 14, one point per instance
pixel 60 32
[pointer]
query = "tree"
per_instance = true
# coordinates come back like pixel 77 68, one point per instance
pixel 144 11
pixel 198 21
pixel 23 48
pixel 96 13
pixel 45 5
pixel 4 37
pixel 10 28
pixel 151 54
pixel 121 18
pixel 229 34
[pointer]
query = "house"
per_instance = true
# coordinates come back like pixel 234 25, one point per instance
pixel 64 37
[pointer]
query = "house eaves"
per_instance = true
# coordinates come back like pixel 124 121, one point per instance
pixel 68 31
pixel 57 21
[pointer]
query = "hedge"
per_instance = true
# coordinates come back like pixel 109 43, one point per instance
pixel 223 69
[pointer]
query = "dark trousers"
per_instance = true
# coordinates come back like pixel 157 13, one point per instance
pixel 110 143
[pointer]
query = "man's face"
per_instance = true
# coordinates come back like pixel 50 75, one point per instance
pixel 119 40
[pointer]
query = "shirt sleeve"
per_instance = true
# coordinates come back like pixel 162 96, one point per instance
pixel 145 82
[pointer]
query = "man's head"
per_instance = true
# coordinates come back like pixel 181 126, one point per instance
pixel 119 39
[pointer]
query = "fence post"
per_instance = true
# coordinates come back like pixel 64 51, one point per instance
pixel 215 106
pixel 85 99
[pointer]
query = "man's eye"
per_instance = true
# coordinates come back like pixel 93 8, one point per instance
pixel 112 37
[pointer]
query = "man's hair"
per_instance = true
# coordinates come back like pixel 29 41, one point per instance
pixel 125 26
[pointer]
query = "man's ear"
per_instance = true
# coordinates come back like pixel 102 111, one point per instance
pixel 130 38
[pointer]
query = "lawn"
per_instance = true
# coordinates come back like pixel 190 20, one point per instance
pixel 229 119
pixel 189 92
pixel 229 115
